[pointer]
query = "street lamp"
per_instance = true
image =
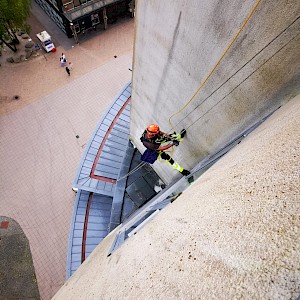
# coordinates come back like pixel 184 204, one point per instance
pixel 74 32
pixel 105 18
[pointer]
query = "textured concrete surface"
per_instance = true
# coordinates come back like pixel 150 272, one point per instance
pixel 178 45
pixel 17 275
pixel 234 234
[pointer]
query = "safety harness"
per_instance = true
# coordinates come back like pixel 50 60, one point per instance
pixel 152 145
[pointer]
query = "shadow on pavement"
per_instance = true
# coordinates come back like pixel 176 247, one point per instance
pixel 17 275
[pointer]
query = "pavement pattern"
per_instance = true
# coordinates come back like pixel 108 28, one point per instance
pixel 39 150
pixel 42 75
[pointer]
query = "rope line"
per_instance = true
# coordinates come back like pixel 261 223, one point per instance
pixel 218 62
pixel 206 112
pixel 202 84
pixel 140 165
pixel 245 64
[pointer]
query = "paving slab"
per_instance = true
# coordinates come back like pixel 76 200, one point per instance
pixel 39 154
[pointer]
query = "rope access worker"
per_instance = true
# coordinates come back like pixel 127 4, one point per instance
pixel 157 141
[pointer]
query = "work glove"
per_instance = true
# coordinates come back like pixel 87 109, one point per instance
pixel 183 133
pixel 175 143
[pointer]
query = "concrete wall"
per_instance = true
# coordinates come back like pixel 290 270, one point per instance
pixel 234 234
pixel 178 42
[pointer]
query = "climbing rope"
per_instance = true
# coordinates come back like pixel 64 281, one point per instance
pixel 201 85
pixel 140 165
pixel 216 65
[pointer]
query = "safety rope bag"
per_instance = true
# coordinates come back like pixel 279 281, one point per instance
pixel 149 156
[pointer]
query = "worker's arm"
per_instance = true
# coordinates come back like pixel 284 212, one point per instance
pixel 168 142
pixel 165 142
pixel 165 147
pixel 166 135
pixel 150 146
pixel 153 146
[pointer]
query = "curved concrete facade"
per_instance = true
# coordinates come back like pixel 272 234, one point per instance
pixel 176 47
pixel 234 234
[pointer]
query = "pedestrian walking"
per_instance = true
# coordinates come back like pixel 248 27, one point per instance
pixel 63 60
pixel 68 71
pixel 70 66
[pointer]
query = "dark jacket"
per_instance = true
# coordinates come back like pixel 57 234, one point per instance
pixel 155 142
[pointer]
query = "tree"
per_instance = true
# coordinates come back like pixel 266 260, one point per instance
pixel 13 15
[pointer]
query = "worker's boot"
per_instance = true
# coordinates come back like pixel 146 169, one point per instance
pixel 191 179
pixel 185 172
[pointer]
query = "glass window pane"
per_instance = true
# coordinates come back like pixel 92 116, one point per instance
pixel 69 6
pixel 76 3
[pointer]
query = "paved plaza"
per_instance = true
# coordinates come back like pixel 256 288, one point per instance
pixel 43 74
pixel 39 150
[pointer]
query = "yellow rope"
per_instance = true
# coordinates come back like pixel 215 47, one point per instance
pixel 213 69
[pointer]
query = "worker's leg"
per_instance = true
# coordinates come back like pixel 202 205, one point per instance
pixel 173 163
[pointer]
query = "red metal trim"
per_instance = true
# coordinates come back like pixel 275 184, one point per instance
pixel 92 175
pixel 4 224
pixel 86 219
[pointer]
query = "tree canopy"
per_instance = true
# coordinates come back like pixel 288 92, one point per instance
pixel 13 15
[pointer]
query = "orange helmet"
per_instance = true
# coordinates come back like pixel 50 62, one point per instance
pixel 152 130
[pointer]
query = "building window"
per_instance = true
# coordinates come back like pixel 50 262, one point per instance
pixel 76 3
pixel 95 19
pixel 68 5
pixel 54 3
pixel 77 27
